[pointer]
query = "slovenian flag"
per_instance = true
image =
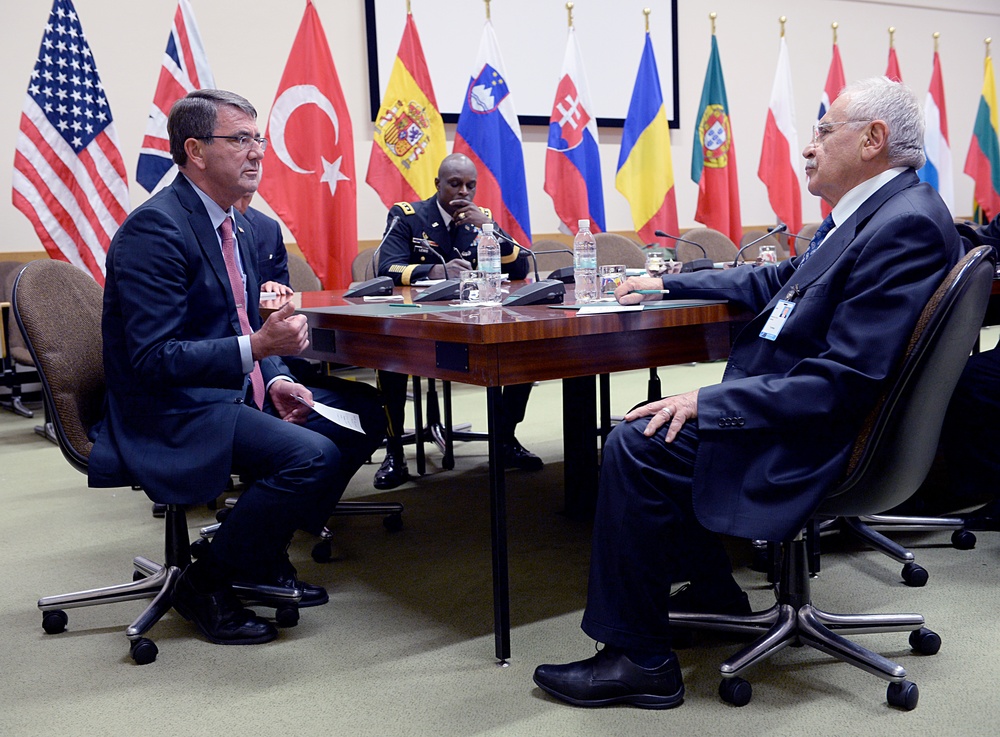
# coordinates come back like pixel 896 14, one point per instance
pixel 572 160
pixel 938 170
pixel 489 134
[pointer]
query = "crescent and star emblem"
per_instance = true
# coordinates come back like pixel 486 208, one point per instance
pixel 287 103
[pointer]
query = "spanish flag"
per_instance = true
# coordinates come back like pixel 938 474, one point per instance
pixel 983 161
pixel 409 141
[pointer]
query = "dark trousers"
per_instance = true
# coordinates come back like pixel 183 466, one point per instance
pixel 971 431
pixel 646 537
pixel 393 388
pixel 298 474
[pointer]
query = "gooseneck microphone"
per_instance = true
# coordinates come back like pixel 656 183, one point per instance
pixel 776 229
pixel 443 291
pixel 377 285
pixel 697 264
pixel 563 274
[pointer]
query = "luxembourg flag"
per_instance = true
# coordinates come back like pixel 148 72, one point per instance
pixel 489 134
pixel 938 170
pixel 780 176
pixel 572 161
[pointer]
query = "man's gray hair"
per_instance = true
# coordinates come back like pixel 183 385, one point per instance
pixel 195 116
pixel 879 98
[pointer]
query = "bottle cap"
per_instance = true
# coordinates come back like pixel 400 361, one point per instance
pixel 583 224
pixel 487 227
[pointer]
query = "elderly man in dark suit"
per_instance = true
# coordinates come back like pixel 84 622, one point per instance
pixel 189 368
pixel 420 238
pixel 754 455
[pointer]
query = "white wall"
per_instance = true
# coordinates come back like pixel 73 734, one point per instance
pixel 248 43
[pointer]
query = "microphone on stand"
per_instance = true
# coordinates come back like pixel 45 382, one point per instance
pixel 380 285
pixel 542 291
pixel 776 229
pixel 698 264
pixel 563 274
pixel 443 291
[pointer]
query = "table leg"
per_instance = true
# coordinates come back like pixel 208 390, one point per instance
pixel 580 431
pixel 498 527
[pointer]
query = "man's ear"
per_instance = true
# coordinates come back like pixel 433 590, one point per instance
pixel 195 149
pixel 876 141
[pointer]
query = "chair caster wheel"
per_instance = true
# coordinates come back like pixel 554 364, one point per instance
pixel 199 547
pixel 393 523
pixel 736 691
pixel 286 615
pixel 914 575
pixel 903 695
pixel 143 651
pixel 925 641
pixel 322 552
pixel 54 621
pixel 963 540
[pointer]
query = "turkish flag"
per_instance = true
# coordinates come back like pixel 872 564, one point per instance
pixel 309 181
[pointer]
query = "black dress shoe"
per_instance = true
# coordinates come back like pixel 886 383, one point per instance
pixel 516 455
pixel 220 617
pixel 984 519
pixel 687 599
pixel 312 595
pixel 611 678
pixel 392 473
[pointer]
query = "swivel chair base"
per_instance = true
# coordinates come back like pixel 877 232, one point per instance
pixel 794 620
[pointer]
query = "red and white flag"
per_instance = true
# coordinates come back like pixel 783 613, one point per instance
pixel 781 143
pixel 185 69
pixel 892 68
pixel 309 176
pixel 69 177
pixel 835 82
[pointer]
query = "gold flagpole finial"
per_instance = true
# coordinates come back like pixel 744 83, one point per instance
pixel 569 12
pixel 782 20
pixel 989 40
pixel 936 35
pixel 408 8
pixel 712 16
pixel 646 12
pixel 835 25
pixel 892 32
pixel 487 9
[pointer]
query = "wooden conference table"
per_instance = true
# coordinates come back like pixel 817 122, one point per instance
pixel 497 346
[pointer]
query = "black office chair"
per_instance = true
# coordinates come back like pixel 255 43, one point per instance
pixel 891 458
pixel 58 310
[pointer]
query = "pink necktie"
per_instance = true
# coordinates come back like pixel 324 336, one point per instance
pixel 240 295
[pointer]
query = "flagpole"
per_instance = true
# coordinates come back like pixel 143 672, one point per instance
pixel 989 40
pixel 569 12
pixel 487 9
pixel 408 8
pixel 835 25
pixel 646 12
pixel 712 16
pixel 892 31
pixel 936 35
pixel 782 20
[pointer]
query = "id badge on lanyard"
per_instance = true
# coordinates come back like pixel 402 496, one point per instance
pixel 779 315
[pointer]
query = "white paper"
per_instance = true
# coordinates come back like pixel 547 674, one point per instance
pixel 337 416
pixel 384 298
pixel 426 282
pixel 603 308
pixel 265 296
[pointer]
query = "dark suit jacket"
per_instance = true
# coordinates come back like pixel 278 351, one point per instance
pixel 776 434
pixel 171 359
pixel 404 257
pixel 272 257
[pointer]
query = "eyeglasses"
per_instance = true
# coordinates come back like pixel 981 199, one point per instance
pixel 822 130
pixel 243 141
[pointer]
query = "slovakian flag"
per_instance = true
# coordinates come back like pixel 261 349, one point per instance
pixel 713 159
pixel 69 177
pixel 835 82
pixel 781 147
pixel 645 167
pixel 309 173
pixel 938 170
pixel 892 68
pixel 409 141
pixel 572 159
pixel 983 161
pixel 489 134
pixel 184 69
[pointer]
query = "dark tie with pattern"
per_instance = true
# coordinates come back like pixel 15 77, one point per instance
pixel 825 227
pixel 240 296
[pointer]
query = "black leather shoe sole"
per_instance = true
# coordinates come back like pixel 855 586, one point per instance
pixel 254 632
pixel 643 701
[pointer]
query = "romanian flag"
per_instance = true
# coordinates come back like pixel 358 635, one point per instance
pixel 572 159
pixel 409 141
pixel 781 148
pixel 645 169
pixel 983 161
pixel 938 170
pixel 835 82
pixel 713 160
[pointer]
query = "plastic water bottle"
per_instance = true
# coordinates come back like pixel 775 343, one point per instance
pixel 488 251
pixel 585 263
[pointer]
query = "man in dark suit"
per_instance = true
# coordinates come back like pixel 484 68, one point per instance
pixel 419 237
pixel 272 256
pixel 189 366
pixel 754 455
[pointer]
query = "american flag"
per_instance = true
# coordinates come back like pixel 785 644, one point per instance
pixel 185 69
pixel 69 177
